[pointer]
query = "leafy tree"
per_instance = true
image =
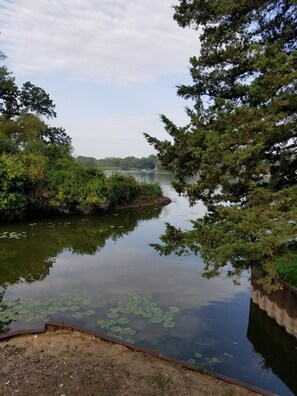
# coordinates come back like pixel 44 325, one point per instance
pixel 241 137
pixel 21 111
pixel 28 99
pixel 87 161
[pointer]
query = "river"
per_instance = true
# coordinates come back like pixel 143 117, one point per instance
pixel 101 273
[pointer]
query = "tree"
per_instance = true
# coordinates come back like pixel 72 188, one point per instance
pixel 21 112
pixel 29 148
pixel 28 99
pixel 241 138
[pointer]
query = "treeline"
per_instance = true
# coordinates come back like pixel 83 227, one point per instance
pixel 128 163
pixel 37 170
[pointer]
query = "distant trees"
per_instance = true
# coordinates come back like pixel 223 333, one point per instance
pixel 241 138
pixel 127 163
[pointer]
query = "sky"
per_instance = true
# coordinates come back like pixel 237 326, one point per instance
pixel 110 66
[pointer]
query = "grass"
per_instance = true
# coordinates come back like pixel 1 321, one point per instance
pixel 162 381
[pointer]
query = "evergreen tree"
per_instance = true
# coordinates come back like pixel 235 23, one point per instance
pixel 241 139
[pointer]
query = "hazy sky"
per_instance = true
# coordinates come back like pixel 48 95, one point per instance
pixel 110 66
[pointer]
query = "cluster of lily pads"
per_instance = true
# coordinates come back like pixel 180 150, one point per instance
pixel 30 309
pixel 135 304
pixel 199 360
pixel 12 235
pixel 77 305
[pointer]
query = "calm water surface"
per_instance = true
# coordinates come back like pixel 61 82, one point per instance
pixel 84 270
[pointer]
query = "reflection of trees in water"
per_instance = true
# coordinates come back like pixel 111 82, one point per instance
pixel 277 347
pixel 31 258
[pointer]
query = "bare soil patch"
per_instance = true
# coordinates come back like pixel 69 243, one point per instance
pixel 72 363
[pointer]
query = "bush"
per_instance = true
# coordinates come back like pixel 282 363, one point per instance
pixel 75 185
pixel 150 190
pixel 19 174
pixel 121 189
pixel 286 268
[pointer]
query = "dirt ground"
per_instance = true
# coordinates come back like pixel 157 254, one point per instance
pixel 72 363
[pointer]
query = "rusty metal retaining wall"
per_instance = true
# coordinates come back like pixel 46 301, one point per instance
pixel 280 305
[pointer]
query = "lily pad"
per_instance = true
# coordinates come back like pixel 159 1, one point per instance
pixel 226 354
pixel 89 312
pixel 78 315
pixel 113 315
pixel 123 320
pixel 169 324
pixel 103 324
pixel 213 360
pixel 174 309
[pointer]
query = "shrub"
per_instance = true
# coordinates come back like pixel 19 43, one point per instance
pixel 150 190
pixel 286 268
pixel 121 189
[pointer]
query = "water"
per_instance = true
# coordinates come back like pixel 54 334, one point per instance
pixel 81 270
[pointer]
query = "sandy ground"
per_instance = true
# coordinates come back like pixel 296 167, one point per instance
pixel 72 363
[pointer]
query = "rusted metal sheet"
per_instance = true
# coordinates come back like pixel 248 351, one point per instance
pixel 280 305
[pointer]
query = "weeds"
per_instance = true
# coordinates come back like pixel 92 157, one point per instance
pixel 160 380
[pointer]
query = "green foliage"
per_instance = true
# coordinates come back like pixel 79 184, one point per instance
pixel 150 190
pixel 20 173
pixel 37 171
pixel 241 137
pixel 76 186
pixel 121 188
pixel 120 163
pixel 286 268
pixel 162 381
pixel 30 99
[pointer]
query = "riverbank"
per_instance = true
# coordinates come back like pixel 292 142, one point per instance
pixel 38 213
pixel 73 363
pixel 142 203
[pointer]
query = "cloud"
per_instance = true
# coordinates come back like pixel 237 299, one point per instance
pixel 105 40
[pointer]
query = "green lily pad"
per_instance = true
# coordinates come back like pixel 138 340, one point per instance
pixel 78 315
pixel 198 355
pixel 113 315
pixel 174 309
pixel 89 312
pixel 103 324
pixel 130 332
pixel 169 324
pixel 123 320
pixel 213 360
pixel 226 354
pixel 147 314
